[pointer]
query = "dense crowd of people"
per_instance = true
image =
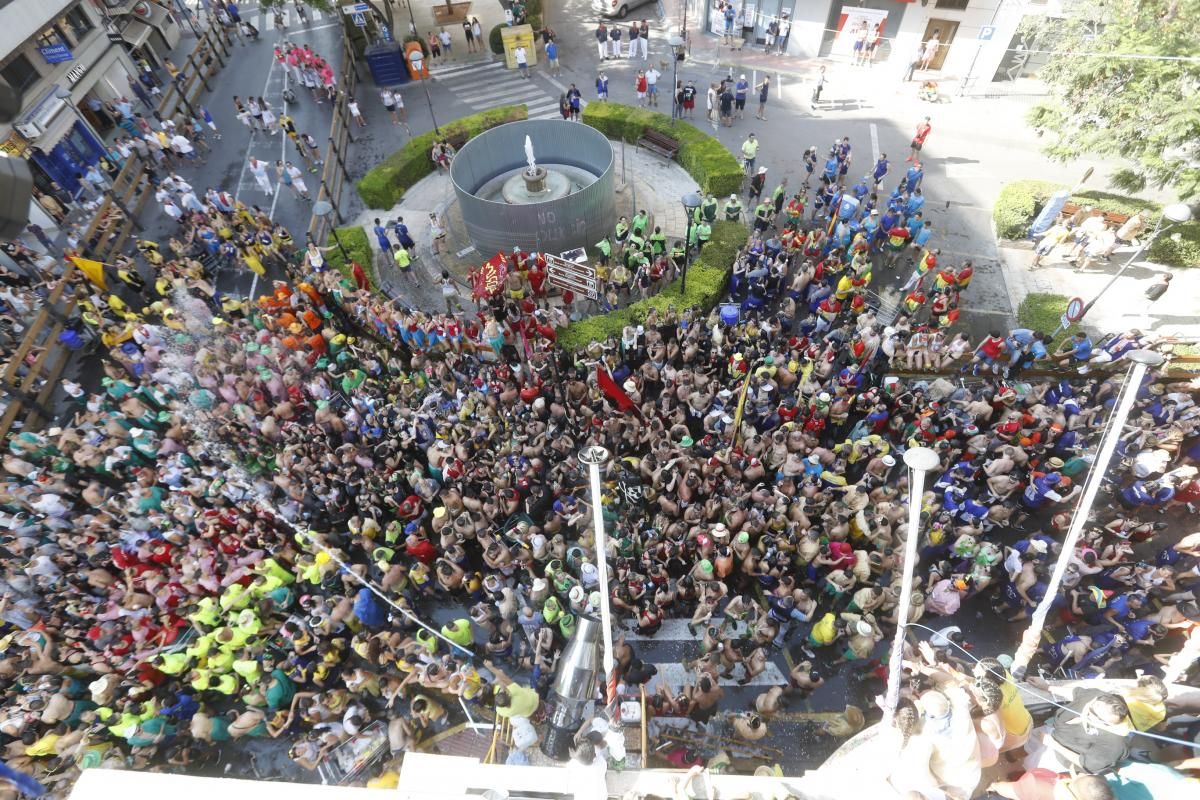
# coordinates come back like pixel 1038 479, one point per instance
pixel 236 533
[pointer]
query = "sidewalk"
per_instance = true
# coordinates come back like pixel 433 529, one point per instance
pixel 1123 306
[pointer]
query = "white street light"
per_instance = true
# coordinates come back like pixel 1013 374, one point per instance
pixel 920 460
pixel 1175 214
pixel 594 457
pixel 1141 360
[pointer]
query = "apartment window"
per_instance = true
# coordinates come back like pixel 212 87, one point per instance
pixel 77 22
pixel 51 36
pixel 953 5
pixel 19 72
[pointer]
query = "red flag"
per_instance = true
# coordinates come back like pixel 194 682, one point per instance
pixel 614 392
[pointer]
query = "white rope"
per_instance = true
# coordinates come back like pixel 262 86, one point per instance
pixel 368 584
pixel 1005 678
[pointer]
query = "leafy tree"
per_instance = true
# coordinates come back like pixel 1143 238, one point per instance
pixel 1133 99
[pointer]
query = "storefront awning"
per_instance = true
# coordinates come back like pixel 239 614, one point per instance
pixel 136 33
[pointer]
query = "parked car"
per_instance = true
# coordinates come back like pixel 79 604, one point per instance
pixel 619 8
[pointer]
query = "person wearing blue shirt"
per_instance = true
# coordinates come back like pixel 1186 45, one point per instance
pixel 923 235
pixel 739 96
pixel 914 224
pixel 1077 349
pixel 861 188
pixel 381 235
pixel 912 178
pixel 881 169
pixel 915 202
pixel 831 168
pixel 870 225
pixel 1025 347
pixel 602 86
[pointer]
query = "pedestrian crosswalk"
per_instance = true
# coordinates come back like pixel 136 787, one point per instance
pixel 492 84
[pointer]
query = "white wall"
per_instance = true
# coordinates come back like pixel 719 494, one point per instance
pixel 24 18
pixel 808 26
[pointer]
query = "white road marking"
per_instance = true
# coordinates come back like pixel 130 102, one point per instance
pixel 779 83
pixel 676 676
pixel 875 141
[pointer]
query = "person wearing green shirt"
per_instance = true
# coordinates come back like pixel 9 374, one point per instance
pixel 622 231
pixel 762 216
pixel 733 209
pixel 750 152
pixel 678 254
pixel 658 241
pixel 640 221
pixel 703 232
pixel 459 632
pixel 279 691
pixel 779 195
pixel 515 700
pixel 605 248
pixel 693 235
pixel 709 208
pixel 150 732
pixel 636 242
pixel 401 257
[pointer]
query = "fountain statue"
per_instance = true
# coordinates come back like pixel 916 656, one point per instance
pixel 535 176
pixel 529 155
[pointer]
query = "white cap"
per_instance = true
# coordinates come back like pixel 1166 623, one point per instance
pixel 864 628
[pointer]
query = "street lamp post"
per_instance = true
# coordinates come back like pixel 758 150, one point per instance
pixel 594 458
pixel 1141 360
pixel 920 460
pixel 417 57
pixel 676 43
pixel 691 201
pixel 322 209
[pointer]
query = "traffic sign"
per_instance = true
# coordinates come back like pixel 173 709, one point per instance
pixel 360 20
pixel 1074 310
pixel 986 33
pixel 356 8
pixel 573 275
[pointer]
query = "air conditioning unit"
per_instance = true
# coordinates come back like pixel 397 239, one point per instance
pixel 29 130
pixel 45 113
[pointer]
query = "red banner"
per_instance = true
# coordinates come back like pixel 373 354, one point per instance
pixel 489 278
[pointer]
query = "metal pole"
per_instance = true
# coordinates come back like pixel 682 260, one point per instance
pixel 962 87
pixel 429 100
pixel 593 457
pixel 338 241
pixel 919 460
pixel 687 252
pixel 1142 361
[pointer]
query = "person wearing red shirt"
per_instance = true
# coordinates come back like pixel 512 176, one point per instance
pixel 918 140
pixel 987 352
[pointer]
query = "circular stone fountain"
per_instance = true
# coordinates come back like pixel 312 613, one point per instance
pixel 540 185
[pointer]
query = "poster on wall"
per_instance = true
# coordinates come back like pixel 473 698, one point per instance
pixel 749 12
pixel 851 21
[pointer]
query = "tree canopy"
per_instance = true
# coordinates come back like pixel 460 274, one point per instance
pixel 1123 79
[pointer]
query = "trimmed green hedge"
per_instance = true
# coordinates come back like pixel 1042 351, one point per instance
pixel 1019 202
pixel 358 247
pixel 706 280
pixel 1041 311
pixel 703 156
pixel 388 180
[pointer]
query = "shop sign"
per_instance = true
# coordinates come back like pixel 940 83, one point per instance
pixel 77 72
pixel 56 53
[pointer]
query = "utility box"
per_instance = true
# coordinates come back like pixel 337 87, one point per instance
pixel 518 36
pixel 386 62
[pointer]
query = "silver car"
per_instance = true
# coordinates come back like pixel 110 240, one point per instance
pixel 619 8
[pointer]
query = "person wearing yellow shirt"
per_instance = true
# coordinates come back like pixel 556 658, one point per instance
pixel 269 566
pixel 248 668
pixel 235 598
pixel 173 663
pixel 824 632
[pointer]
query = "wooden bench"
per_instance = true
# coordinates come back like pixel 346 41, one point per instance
pixel 1110 217
pixel 659 143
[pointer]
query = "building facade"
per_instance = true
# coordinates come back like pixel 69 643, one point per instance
pixel 71 63
pixel 978 41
